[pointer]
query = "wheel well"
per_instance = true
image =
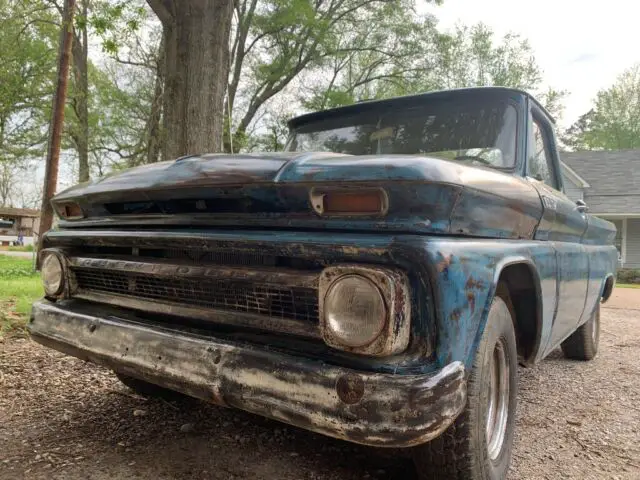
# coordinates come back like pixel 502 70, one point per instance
pixel 519 282
pixel 608 288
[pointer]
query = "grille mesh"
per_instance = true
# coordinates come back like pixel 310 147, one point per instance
pixel 274 301
pixel 216 257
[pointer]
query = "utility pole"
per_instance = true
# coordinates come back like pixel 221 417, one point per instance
pixel 57 119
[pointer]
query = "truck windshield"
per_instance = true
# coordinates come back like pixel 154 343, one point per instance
pixel 483 134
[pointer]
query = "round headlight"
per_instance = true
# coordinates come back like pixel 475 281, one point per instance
pixel 52 275
pixel 354 311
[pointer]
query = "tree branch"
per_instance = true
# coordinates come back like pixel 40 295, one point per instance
pixel 34 21
pixel 55 4
pixel 164 9
pixel 134 63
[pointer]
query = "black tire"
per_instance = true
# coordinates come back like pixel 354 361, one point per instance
pixel 147 389
pixel 462 451
pixel 583 343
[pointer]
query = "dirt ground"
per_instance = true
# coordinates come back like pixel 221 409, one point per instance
pixel 61 418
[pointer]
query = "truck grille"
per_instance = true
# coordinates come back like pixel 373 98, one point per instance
pixel 297 303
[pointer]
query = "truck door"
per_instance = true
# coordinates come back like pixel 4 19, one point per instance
pixel 564 224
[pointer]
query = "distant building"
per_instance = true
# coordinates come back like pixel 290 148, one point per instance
pixel 609 183
pixel 15 223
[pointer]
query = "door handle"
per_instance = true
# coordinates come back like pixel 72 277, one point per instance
pixel 581 206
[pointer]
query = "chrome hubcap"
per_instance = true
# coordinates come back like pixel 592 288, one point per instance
pixel 498 409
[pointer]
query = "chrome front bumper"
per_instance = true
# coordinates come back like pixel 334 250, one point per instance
pixel 376 409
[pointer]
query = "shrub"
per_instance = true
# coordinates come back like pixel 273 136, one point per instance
pixel 628 275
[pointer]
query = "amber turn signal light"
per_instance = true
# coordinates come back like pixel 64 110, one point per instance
pixel 349 202
pixel 70 211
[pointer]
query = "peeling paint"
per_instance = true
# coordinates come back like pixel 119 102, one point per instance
pixel 437 253
pixel 393 285
pixel 383 410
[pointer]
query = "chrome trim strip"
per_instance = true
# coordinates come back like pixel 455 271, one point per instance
pixel 381 409
pixel 163 268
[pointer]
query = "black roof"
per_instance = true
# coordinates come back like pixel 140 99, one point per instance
pixel 409 100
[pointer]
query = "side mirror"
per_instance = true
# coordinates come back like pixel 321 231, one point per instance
pixel 581 206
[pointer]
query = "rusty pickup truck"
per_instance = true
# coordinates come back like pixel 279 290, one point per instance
pixel 378 281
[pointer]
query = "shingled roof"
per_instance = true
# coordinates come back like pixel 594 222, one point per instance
pixel 613 178
pixel 19 212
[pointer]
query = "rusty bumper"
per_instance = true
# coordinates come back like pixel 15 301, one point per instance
pixel 376 409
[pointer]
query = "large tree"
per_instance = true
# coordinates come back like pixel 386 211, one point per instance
pixel 128 87
pixel 27 71
pixel 122 105
pixel 374 51
pixel 378 55
pixel 614 121
pixel 277 40
pixel 80 99
pixel 404 55
pixel 291 55
pixel 113 22
pixel 196 59
pixel 399 53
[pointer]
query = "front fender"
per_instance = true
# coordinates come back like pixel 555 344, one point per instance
pixel 465 274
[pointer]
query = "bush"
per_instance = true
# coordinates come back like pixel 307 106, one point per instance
pixel 628 275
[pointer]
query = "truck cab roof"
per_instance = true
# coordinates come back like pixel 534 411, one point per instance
pixel 370 105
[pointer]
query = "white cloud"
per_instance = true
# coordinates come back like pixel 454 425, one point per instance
pixel 581 47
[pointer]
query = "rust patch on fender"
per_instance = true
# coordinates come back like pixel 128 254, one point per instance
pixel 455 314
pixel 471 301
pixel 473 284
pixel 445 263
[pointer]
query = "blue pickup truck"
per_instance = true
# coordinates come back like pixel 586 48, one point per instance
pixel 379 281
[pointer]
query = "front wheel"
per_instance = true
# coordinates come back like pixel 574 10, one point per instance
pixel 478 444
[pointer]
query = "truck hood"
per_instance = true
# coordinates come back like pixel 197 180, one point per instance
pixel 426 194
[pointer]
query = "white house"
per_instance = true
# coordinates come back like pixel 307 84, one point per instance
pixel 609 183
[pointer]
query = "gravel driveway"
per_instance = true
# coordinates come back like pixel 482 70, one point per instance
pixel 61 418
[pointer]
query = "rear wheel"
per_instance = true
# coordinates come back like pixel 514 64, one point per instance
pixel 583 343
pixel 478 445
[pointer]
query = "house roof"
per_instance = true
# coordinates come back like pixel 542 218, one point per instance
pixel 613 178
pixel 19 212
pixel 567 171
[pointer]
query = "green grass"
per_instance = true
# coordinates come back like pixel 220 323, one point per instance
pixel 25 248
pixel 628 285
pixel 20 285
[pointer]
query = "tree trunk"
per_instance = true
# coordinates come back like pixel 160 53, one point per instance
pixel 154 127
pixel 5 172
pixel 196 33
pixel 80 51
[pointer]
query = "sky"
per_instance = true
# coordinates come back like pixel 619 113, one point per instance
pixel 580 46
